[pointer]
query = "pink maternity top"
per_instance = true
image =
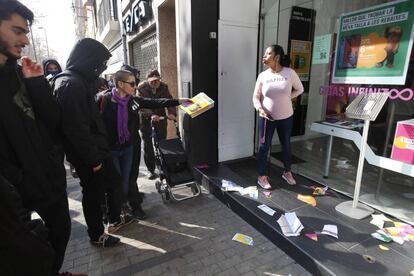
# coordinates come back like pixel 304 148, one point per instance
pixel 274 91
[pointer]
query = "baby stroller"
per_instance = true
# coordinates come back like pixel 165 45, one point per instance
pixel 174 170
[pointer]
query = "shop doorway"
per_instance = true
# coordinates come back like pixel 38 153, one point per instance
pixel 237 73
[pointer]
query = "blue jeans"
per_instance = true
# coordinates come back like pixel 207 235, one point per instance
pixel 284 131
pixel 123 163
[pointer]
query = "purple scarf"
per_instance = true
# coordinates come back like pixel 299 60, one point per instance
pixel 122 116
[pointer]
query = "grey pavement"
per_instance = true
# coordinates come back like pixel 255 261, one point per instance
pixel 192 237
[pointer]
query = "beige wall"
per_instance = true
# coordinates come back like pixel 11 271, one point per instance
pixel 167 50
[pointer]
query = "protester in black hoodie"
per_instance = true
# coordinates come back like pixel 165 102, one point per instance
pixel 51 68
pixel 30 158
pixel 85 138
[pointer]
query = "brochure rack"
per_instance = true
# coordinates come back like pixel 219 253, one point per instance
pixel 364 107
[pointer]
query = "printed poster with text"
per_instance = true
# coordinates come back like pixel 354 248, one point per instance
pixel 300 53
pixel 374 44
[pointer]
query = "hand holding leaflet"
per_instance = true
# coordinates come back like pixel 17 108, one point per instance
pixel 197 105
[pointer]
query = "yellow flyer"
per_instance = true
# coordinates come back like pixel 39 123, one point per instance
pixel 198 104
pixel 243 239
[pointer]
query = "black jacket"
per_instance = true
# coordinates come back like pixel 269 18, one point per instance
pixel 30 158
pixel 85 138
pixel 110 110
pixel 23 246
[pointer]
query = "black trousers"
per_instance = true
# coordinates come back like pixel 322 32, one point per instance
pixel 57 220
pixel 161 131
pixel 94 185
pixel 134 197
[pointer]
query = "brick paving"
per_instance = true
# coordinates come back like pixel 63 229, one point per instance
pixel 191 237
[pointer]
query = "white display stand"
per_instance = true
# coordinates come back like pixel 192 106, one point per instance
pixel 367 108
pixel 370 156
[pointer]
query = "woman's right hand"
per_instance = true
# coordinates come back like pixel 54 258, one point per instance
pixel 263 114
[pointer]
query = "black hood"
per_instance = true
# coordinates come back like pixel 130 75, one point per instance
pixel 87 56
pixel 46 62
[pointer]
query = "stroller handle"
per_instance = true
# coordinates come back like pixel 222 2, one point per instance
pixel 165 118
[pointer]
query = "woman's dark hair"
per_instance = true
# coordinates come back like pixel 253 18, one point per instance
pixel 8 7
pixel 278 50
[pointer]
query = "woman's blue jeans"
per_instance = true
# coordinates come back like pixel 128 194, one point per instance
pixel 123 163
pixel 267 129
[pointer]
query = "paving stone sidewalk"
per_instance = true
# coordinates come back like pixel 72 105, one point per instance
pixel 192 237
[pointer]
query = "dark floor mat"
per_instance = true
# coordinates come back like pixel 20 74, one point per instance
pixel 295 159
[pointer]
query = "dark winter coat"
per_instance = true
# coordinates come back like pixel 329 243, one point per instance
pixel 23 246
pixel 146 91
pixel 110 110
pixel 85 137
pixel 30 158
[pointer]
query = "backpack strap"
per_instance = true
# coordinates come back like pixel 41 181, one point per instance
pixel 102 97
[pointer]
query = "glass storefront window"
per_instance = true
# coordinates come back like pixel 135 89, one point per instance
pixel 386 190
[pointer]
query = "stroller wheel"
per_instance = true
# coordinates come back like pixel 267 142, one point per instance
pixel 194 189
pixel 158 186
pixel 165 195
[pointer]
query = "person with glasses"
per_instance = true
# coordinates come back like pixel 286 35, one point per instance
pixel 135 197
pixel 154 88
pixel 120 113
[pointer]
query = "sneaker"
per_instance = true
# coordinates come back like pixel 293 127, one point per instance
pixel 73 172
pixel 71 274
pixel 106 240
pixel 125 220
pixel 126 209
pixel 152 175
pixel 288 177
pixel 263 182
pixel 139 213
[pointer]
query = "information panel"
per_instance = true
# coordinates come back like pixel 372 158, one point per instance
pixel 374 45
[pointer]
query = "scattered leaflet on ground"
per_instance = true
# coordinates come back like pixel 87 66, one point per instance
pixel 251 191
pixel 243 239
pixel 290 224
pixel 266 209
pixel 312 236
pixel 379 220
pixel 382 236
pixel 229 186
pixel 307 199
pixel 319 191
pixel 399 232
pixel 330 230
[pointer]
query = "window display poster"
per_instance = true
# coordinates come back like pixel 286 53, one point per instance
pixel 300 53
pixel 374 44
pixel 403 147
pixel 321 49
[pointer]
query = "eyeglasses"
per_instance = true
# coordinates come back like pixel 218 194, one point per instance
pixel 132 83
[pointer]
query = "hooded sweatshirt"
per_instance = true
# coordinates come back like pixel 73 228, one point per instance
pixel 85 138
pixel 49 74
